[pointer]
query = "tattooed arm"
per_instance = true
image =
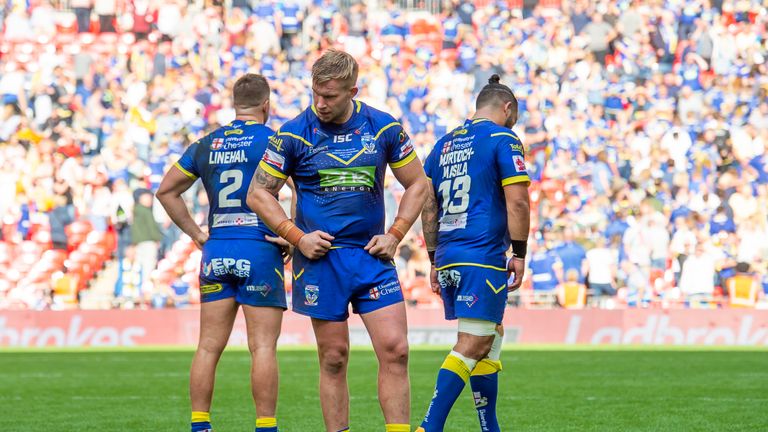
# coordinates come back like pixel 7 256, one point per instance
pixel 430 225
pixel 429 220
pixel 261 198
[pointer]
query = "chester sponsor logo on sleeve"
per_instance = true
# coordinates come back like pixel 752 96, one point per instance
pixel 217 143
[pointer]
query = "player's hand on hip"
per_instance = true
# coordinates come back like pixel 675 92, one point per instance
pixel 516 267
pixel 316 244
pixel 383 246
pixel 200 239
pixel 286 249
pixel 433 280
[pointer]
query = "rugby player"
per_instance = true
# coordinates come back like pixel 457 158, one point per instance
pixel 477 207
pixel 337 152
pixel 241 264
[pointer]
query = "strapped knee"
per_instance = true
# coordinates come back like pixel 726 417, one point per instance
pixel 477 327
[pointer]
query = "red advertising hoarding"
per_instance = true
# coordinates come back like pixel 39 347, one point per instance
pixel 426 327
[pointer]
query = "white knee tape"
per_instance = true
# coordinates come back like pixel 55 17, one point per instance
pixel 495 353
pixel 477 327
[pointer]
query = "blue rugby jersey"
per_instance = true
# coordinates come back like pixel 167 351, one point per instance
pixel 225 161
pixel 339 170
pixel 468 169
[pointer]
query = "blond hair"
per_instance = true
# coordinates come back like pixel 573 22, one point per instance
pixel 335 65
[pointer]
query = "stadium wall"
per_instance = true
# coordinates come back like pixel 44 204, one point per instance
pixel 427 327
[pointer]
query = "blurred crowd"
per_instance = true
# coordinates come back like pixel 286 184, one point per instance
pixel 645 125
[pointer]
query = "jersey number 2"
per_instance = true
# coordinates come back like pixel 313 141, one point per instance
pixel 455 194
pixel 225 192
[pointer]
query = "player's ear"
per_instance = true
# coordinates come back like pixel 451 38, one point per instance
pixel 353 91
pixel 266 110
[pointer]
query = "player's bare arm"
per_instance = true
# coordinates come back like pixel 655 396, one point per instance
pixel 261 199
pixel 416 185
pixel 174 184
pixel 283 243
pixel 430 226
pixel 518 224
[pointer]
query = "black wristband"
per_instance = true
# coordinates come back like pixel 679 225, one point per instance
pixel 431 257
pixel 519 248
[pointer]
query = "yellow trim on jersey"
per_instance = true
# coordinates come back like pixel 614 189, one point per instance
pixel 522 178
pixel 292 135
pixel 297 276
pixel 486 366
pixel 403 162
pixel 358 105
pixel 495 290
pixel 472 265
pixel 378 134
pixel 511 135
pixel 266 422
pixel 335 247
pixel 186 173
pixel 280 275
pixel 333 156
pixel 457 366
pixel 429 178
pixel 271 171
pixel 480 120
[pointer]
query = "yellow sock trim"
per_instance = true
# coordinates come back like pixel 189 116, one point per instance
pixel 200 416
pixel 394 427
pixel 266 422
pixel 487 367
pixel 457 366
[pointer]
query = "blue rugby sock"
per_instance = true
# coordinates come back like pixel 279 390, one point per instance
pixel 485 390
pixel 451 380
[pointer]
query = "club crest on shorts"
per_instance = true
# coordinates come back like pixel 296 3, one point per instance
pixel 448 278
pixel 311 292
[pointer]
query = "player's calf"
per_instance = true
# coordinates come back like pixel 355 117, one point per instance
pixel 475 340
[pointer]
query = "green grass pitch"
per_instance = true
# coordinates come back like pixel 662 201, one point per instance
pixel 552 389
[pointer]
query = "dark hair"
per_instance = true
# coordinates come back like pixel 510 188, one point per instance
pixel 250 90
pixel 495 93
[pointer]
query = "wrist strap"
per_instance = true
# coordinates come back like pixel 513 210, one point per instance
pixel 290 232
pixel 519 248
pixel 399 228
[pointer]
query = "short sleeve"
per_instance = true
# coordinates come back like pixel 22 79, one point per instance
pixel 400 151
pixel 187 163
pixel 510 159
pixel 280 156
pixel 429 164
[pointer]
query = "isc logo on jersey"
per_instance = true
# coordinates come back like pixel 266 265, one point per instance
pixel 226 266
pixel 342 138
